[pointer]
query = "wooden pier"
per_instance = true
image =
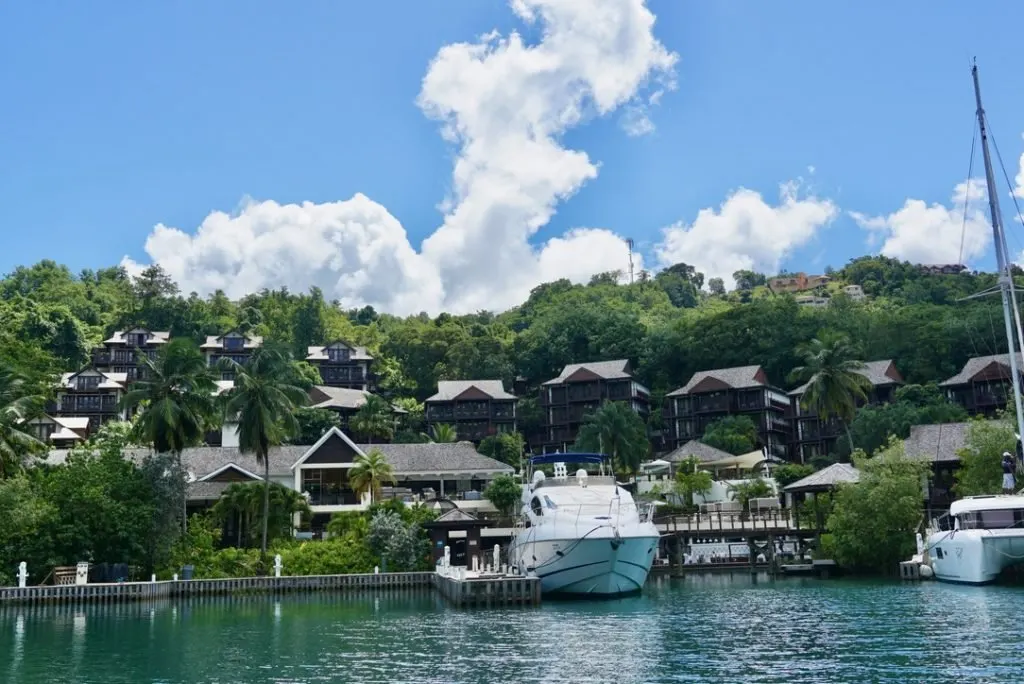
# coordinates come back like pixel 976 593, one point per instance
pixel 490 591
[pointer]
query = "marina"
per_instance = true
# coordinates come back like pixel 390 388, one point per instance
pixel 699 628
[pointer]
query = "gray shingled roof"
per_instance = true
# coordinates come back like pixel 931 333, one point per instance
pixel 874 371
pixel 826 478
pixel 341 397
pixel 457 457
pixel 447 390
pixel 740 377
pixel 155 337
pixel 699 449
pixel 975 365
pixel 609 370
pixel 207 491
pixel 320 353
pixel 344 398
pixel 938 443
pixel 216 341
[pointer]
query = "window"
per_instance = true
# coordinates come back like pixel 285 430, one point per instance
pixel 42 431
pixel 536 506
pixel 234 343
pixel 338 354
pixel 87 382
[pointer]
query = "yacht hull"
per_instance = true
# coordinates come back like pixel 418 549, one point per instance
pixel 594 565
pixel 974 556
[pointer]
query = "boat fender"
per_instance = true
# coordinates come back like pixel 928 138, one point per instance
pixel 616 539
pixel 926 571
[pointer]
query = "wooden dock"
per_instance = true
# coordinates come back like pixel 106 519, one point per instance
pixel 498 590
pixel 490 591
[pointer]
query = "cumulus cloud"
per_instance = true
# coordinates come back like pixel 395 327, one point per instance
pixel 746 232
pixel 504 104
pixel 936 233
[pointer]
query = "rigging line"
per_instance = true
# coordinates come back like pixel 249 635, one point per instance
pixel 967 193
pixel 1013 195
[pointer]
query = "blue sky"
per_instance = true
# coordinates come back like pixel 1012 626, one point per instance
pixel 120 117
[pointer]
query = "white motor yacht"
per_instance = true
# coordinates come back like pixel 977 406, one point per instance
pixel 582 534
pixel 986 536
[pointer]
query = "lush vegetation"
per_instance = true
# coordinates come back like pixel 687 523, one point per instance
pixel 670 325
pixel 736 435
pixel 388 535
pixel 50 318
pixel 873 521
pixel 96 507
pixel 981 469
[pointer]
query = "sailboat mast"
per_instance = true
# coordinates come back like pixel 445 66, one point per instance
pixel 1002 262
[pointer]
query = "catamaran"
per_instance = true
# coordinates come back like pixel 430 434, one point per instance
pixel 582 534
pixel 983 535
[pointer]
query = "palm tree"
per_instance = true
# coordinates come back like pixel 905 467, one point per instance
pixel 375 418
pixel 442 433
pixel 615 429
pixel 176 398
pixel 263 402
pixel 370 471
pixel 834 378
pixel 16 403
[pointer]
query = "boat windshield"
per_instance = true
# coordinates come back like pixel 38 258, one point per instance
pixel 992 519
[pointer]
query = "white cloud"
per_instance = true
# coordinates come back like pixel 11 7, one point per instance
pixel 936 233
pixel 746 233
pixel 505 105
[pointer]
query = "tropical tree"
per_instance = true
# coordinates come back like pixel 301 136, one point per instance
pixel 755 488
pixel 734 434
pixel 16 403
pixel 370 471
pixel 175 396
pixel 834 379
pixel 873 521
pixel 981 470
pixel 374 419
pixel 691 480
pixel 507 447
pixel 504 493
pixel 442 433
pixel 263 403
pixel 241 502
pixel 615 429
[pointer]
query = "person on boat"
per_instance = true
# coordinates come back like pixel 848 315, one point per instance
pixel 1008 467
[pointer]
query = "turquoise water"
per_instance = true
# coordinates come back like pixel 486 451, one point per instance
pixel 711 628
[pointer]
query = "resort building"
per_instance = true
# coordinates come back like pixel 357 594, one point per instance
pixel 120 353
pixel 813 301
pixel 942 269
pixel 939 444
pixel 712 395
pixel 59 432
pixel 797 282
pixel 476 408
pixel 91 394
pixel 815 437
pixel 342 401
pixel 855 292
pixel 342 365
pixel 580 389
pixel 982 386
pixel 424 472
pixel 232 345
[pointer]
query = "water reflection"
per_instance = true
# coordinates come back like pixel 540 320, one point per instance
pixel 710 628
